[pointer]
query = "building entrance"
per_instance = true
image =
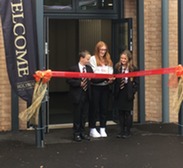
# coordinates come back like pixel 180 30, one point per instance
pixel 65 38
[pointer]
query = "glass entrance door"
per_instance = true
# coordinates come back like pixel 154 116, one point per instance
pixel 122 36
pixel 62 46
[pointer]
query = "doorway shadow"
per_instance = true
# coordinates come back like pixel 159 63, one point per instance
pixel 60 108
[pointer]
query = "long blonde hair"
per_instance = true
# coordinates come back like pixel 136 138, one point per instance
pixel 107 57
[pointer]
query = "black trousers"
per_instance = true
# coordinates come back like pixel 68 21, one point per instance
pixel 80 114
pixel 125 121
pixel 99 107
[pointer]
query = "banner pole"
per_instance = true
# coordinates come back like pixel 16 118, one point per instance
pixel 39 22
pixel 40 129
pixel 180 57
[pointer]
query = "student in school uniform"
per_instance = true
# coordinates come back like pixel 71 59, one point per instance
pixel 124 91
pixel 80 92
pixel 101 63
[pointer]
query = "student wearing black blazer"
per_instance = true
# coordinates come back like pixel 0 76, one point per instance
pixel 80 92
pixel 124 91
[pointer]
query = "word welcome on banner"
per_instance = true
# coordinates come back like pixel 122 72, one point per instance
pixel 19 31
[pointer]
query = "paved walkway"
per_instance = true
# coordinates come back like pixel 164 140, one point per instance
pixel 152 145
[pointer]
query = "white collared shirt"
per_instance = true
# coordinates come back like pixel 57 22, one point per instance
pixel 105 69
pixel 81 67
pixel 126 71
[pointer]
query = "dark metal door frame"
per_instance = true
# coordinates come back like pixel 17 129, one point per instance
pixel 118 33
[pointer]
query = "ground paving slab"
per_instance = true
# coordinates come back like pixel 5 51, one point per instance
pixel 152 145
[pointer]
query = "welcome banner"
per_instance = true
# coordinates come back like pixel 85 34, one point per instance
pixel 19 31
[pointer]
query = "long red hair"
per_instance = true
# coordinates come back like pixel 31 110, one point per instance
pixel 107 57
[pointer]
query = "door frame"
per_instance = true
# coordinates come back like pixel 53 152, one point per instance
pixel 115 54
pixel 116 41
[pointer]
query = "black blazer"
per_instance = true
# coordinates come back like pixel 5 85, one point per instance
pixel 123 99
pixel 75 84
pixel 131 86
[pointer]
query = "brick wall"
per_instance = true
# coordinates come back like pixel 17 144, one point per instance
pixel 5 92
pixel 153 56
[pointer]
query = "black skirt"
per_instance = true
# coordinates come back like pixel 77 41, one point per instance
pixel 123 102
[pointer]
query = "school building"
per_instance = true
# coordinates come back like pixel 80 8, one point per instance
pixel 149 28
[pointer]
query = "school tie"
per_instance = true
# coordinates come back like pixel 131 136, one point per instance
pixel 84 80
pixel 122 82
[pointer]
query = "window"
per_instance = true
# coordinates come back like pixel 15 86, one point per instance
pixel 58 5
pixel 95 5
pixel 80 6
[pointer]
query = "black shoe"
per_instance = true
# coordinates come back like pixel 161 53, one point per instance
pixel 85 136
pixel 125 136
pixel 119 135
pixel 77 138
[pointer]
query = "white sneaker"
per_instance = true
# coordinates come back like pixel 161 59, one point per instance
pixel 94 133
pixel 102 132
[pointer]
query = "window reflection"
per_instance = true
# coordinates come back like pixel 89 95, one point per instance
pixel 58 4
pixel 83 4
pixel 95 4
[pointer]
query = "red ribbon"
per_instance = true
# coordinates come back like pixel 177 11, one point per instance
pixel 65 74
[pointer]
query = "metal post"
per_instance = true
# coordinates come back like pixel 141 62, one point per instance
pixel 39 21
pixel 39 130
pixel 165 62
pixel 140 46
pixel 180 56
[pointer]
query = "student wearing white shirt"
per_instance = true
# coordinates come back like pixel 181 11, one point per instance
pixel 101 63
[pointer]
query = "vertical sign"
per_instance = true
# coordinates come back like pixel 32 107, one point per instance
pixel 20 41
